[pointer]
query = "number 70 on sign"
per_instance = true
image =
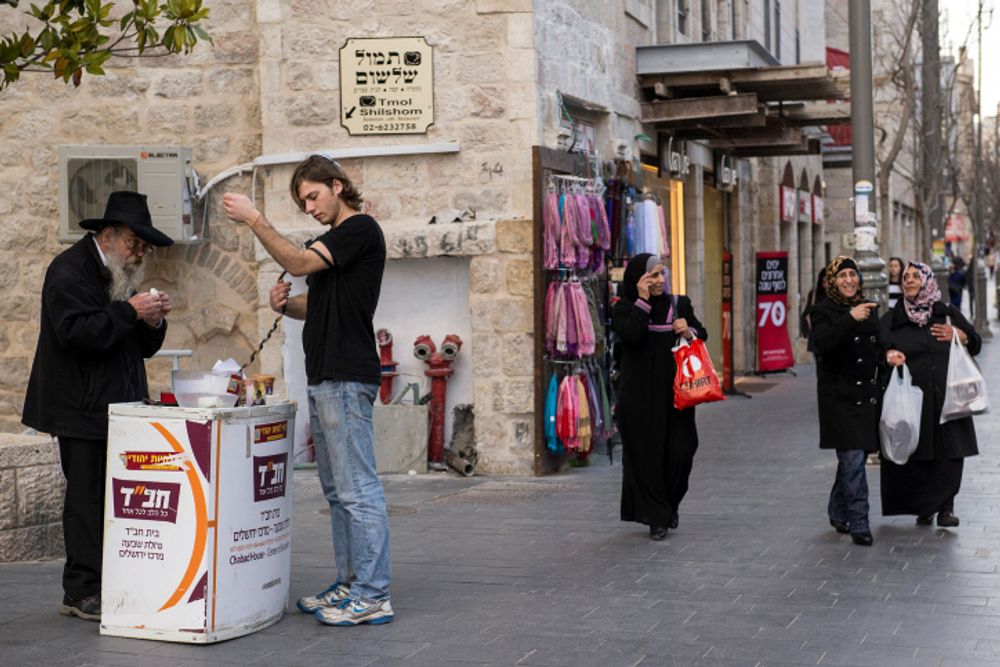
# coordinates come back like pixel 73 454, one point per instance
pixel 775 310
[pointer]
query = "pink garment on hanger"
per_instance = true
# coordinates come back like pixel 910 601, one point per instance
pixel 550 217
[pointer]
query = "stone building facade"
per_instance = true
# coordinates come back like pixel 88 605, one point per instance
pixel 269 87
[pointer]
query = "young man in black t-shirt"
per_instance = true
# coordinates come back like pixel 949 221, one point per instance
pixel 344 273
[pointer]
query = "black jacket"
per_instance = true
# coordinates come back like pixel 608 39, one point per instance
pixel 848 377
pixel 927 359
pixel 90 349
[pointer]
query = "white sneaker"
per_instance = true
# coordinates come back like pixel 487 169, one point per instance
pixel 356 612
pixel 334 594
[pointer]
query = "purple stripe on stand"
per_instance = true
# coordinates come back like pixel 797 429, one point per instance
pixel 660 327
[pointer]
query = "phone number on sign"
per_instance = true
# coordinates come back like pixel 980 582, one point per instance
pixel 389 127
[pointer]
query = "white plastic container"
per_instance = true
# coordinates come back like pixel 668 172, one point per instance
pixel 200 389
pixel 197 521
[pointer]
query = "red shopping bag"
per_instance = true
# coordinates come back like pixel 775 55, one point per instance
pixel 696 380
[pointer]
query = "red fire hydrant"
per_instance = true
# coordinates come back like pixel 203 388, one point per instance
pixel 438 370
pixel 384 340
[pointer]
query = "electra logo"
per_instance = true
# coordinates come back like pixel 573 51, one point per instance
pixel 269 476
pixel 151 501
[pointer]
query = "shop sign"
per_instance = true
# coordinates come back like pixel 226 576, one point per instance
pixel 725 172
pixel 956 229
pixel 386 85
pixel 789 204
pixel 818 210
pixel 774 348
pixel 674 161
pixel 727 321
pixel 805 207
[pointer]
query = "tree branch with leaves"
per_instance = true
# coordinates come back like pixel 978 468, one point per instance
pixel 74 37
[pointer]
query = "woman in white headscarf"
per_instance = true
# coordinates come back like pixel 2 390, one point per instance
pixel 918 332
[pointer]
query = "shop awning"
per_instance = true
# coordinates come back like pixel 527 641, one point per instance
pixel 736 97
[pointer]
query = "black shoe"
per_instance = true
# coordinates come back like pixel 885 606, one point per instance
pixel 839 526
pixel 947 520
pixel 925 520
pixel 657 533
pixel 674 520
pixel 862 539
pixel 88 608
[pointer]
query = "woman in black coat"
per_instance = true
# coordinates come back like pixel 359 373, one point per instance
pixel 658 441
pixel 845 339
pixel 917 332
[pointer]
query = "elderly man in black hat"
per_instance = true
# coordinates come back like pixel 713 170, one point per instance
pixel 96 330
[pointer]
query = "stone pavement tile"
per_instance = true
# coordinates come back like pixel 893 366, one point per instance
pixel 350 642
pixel 752 651
pixel 286 658
pixel 883 656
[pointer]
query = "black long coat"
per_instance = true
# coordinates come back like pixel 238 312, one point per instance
pixel 90 349
pixel 658 441
pixel 927 359
pixel 848 377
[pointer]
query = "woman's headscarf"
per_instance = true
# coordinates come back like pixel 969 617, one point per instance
pixel 918 309
pixel 635 269
pixel 840 263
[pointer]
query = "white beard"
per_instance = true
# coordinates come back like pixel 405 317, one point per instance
pixel 125 277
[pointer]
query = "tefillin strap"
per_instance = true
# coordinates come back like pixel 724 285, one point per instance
pixel 274 327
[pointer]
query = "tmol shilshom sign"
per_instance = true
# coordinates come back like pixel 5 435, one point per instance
pixel 386 85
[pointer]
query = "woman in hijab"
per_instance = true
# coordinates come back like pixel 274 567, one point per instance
pixel 658 441
pixel 845 339
pixel 918 332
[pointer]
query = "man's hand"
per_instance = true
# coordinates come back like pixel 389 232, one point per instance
pixel 165 307
pixel 148 307
pixel 239 208
pixel 279 296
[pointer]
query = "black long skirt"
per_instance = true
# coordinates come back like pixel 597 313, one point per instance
pixel 921 488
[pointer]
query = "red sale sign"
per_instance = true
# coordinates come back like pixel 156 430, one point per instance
pixel 774 349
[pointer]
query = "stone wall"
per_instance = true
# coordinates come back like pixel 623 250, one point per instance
pixel 208 100
pixel 31 498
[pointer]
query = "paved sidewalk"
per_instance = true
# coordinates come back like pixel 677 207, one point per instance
pixel 541 572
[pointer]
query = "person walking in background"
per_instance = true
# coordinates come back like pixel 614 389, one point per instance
pixel 956 281
pixel 895 280
pixel 848 387
pixel 918 332
pixel 344 268
pixel 816 294
pixel 96 330
pixel 658 441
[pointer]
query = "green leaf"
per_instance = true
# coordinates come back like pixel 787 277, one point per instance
pixel 27 45
pixel 125 21
pixel 95 69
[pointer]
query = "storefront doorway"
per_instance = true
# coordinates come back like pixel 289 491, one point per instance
pixel 714 243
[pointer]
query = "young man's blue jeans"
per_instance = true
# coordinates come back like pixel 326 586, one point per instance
pixel 849 495
pixel 340 414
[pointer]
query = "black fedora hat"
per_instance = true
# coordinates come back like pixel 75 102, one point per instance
pixel 129 209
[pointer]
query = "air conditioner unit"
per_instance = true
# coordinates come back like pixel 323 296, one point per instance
pixel 88 174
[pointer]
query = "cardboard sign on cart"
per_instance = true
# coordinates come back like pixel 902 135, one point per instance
pixel 197 521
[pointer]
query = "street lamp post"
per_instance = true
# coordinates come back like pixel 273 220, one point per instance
pixel 981 321
pixel 863 153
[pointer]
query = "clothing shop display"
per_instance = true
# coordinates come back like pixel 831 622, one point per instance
pixel 576 245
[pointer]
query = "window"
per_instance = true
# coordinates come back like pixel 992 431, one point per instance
pixel 767 24
pixel 777 29
pixel 682 16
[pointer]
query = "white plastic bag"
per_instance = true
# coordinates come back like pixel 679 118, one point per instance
pixel 899 426
pixel 965 392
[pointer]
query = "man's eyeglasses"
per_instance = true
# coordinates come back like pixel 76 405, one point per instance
pixel 139 247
